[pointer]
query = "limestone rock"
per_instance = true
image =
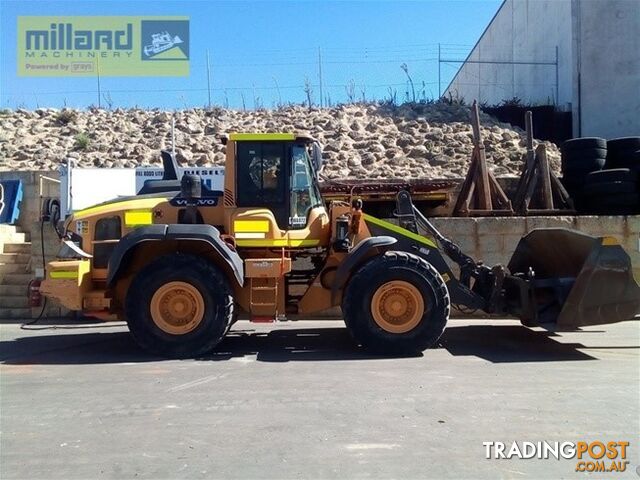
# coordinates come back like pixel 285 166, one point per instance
pixel 360 140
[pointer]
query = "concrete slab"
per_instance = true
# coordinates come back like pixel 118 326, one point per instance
pixel 298 400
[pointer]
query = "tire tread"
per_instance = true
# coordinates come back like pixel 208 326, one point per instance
pixel 401 344
pixel 218 287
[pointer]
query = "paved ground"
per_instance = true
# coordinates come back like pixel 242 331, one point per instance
pixel 299 401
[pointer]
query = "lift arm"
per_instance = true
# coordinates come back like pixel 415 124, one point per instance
pixel 411 218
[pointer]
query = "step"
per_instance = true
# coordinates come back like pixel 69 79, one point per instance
pixel 15 258
pixel 16 278
pixel 19 313
pixel 14 301
pixel 17 247
pixel 13 237
pixel 13 290
pixel 13 268
pixel 4 228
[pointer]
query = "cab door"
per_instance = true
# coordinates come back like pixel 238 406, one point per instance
pixel 262 177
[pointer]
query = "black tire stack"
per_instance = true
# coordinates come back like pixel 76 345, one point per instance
pixel 623 153
pixel 603 177
pixel 612 192
pixel 580 157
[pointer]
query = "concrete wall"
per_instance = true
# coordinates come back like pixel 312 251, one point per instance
pixel 525 31
pixel 493 240
pixel 606 71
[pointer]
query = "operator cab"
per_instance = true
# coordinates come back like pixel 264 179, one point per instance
pixel 278 172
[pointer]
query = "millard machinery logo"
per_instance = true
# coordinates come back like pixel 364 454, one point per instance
pixel 165 40
pixel 105 46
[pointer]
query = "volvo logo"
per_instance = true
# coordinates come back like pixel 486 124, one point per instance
pixel 200 202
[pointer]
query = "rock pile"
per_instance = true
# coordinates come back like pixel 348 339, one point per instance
pixel 360 141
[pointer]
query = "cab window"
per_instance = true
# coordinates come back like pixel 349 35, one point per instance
pixel 261 177
pixel 304 193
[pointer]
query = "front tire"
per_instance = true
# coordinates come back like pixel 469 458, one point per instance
pixel 397 303
pixel 179 305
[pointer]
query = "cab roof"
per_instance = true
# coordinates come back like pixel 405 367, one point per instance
pixel 266 137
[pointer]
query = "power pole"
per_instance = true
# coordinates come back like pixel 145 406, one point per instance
pixel 208 81
pixel 320 74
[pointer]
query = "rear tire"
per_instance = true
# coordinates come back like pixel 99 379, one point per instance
pixel 179 306
pixel 397 303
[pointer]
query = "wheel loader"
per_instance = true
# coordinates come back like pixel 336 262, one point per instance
pixel 181 262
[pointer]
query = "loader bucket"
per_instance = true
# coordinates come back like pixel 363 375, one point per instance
pixel 578 279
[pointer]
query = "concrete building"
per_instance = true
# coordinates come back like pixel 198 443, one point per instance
pixel 581 55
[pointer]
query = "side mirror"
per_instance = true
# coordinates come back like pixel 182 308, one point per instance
pixel 316 156
pixel 191 186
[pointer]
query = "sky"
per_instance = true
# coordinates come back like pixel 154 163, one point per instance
pixel 263 53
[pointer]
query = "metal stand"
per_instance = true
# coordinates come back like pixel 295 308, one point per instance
pixel 480 193
pixel 539 191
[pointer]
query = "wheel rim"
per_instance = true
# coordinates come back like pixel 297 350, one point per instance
pixel 177 308
pixel 397 306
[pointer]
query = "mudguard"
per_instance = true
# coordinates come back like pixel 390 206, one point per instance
pixel 156 233
pixel 355 257
pixel 426 248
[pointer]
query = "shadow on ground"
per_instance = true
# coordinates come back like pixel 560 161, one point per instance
pixel 494 343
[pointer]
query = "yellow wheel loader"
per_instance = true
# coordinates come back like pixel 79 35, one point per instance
pixel 179 262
